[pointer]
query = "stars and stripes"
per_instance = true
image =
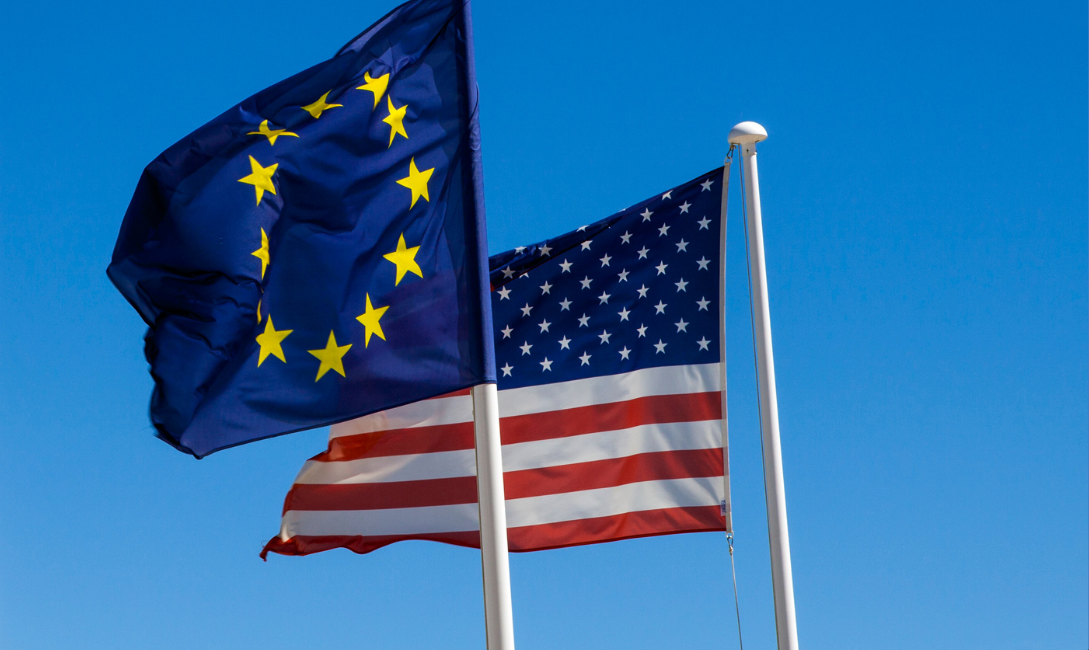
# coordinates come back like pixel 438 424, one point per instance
pixel 610 402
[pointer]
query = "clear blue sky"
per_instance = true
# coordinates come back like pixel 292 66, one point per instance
pixel 925 204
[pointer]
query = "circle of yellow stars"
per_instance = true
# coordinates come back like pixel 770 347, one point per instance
pixel 331 357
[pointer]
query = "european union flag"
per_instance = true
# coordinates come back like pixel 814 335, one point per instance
pixel 318 251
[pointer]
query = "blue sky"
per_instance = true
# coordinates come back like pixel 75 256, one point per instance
pixel 925 202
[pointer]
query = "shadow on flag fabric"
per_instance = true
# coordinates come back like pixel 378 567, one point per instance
pixel 611 402
pixel 317 252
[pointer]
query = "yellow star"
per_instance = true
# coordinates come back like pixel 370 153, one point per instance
pixel 376 86
pixel 317 107
pixel 417 182
pixel 405 259
pixel 332 357
pixel 271 134
pixel 260 178
pixel 370 319
pixel 262 253
pixel 270 342
pixel 395 119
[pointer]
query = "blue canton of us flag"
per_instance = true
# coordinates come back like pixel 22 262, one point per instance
pixel 640 289
pixel 317 252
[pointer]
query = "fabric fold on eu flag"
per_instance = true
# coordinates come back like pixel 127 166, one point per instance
pixel 318 252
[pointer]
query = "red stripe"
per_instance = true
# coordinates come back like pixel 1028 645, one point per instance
pixel 380 496
pixel 399 442
pixel 307 544
pixel 655 409
pixel 656 466
pixel 559 479
pixel 648 523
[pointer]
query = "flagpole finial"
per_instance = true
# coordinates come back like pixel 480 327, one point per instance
pixel 747 133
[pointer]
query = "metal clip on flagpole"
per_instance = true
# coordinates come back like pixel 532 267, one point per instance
pixel 498 614
pixel 747 134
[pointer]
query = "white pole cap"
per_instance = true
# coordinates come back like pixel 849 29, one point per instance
pixel 747 133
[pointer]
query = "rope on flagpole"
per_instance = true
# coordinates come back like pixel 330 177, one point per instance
pixel 737 604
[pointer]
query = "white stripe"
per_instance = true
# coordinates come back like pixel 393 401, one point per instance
pixel 531 511
pixel 393 521
pixel 538 399
pixel 428 413
pixel 605 445
pixel 584 448
pixel 388 469
pixel 605 502
pixel 670 380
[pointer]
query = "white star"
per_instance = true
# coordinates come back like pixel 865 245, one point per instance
pixel 586 245
pixel 661 268
pixel 681 325
pixel 506 331
pixel 667 195
pixel 660 347
pixel 643 252
pixel 525 348
pixel 604 298
pixel 703 223
pixel 546 287
pixel 585 359
pixel 646 214
pixel 566 266
pixel 643 291
pixel 682 246
pixel 703 302
pixel 685 206
pixel 519 249
pixel 546 365
pixel 660 307
pixel 626 237
pixel 604 336
pixel 623 313
pixel 584 320
pixel 703 343
pixel 623 275
pixel 582 228
pixel 565 343
pixel 624 352
pixel 642 329
pixel 565 305
pixel 663 230
pixel 506 369
pixel 508 273
pixel 681 286
pixel 706 185
pixel 605 260
pixel 545 250
pixel 703 262
pixel 544 325
pixel 585 282
pixel 504 293
pixel 526 309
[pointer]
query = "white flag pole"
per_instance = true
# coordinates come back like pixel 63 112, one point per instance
pixel 747 134
pixel 498 614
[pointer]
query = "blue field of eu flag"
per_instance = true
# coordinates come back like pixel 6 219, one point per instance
pixel 318 251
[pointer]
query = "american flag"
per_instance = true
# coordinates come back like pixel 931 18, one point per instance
pixel 608 347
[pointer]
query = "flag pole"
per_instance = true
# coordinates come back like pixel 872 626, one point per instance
pixel 747 134
pixel 498 614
